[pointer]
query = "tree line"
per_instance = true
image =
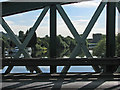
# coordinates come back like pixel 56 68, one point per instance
pixel 64 45
pixel 100 49
pixel 40 46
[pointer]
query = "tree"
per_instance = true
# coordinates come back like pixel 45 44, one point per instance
pixel 61 44
pixel 32 44
pixel 21 36
pixel 70 42
pixel 33 40
pixel 100 49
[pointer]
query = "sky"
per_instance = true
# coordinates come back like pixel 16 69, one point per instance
pixel 79 13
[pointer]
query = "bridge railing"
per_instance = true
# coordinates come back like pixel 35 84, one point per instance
pixel 60 62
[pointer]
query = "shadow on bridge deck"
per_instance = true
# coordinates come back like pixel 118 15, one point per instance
pixel 61 81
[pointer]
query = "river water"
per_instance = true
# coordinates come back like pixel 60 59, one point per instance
pixel 46 69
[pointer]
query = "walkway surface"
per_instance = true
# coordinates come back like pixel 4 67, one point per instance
pixel 61 82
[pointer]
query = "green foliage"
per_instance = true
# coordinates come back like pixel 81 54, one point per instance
pixel 118 50
pixel 64 46
pixel 21 36
pixel 100 49
pixel 70 42
pixel 61 44
pixel 118 38
pixel 32 41
pixel 5 41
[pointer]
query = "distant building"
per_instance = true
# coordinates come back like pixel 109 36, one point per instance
pixel 92 45
pixel 89 40
pixel 93 42
pixel 97 37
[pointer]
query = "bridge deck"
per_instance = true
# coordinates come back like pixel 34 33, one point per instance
pixel 64 81
pixel 61 81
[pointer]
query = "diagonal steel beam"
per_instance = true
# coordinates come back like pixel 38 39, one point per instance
pixel 69 24
pixel 72 30
pixel 118 6
pixel 33 29
pixel 93 20
pixel 18 43
pixel 13 37
pixel 88 29
pixel 35 26
pixel 75 51
pixel 80 41
pixel 31 32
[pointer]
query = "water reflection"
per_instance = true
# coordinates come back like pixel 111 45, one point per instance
pixel 61 53
pixel 46 69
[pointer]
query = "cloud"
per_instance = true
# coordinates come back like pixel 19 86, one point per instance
pixel 15 28
pixel 10 22
pixel 78 17
pixel 80 24
pixel 86 4
pixel 81 21
pixel 1 29
pixel 3 0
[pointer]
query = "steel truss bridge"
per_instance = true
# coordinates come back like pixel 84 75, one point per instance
pixel 109 64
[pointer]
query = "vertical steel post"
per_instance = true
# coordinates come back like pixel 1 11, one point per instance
pixel 118 7
pixel 53 34
pixel 110 34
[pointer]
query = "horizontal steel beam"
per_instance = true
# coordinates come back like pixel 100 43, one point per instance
pixel 56 76
pixel 60 62
pixel 11 8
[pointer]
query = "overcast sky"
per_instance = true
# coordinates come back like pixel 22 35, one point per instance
pixel 79 13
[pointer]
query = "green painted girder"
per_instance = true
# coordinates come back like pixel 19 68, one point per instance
pixel 13 37
pixel 81 41
pixel 11 8
pixel 118 6
pixel 15 40
pixel 93 20
pixel 26 41
pixel 110 35
pixel 33 29
pixel 110 29
pixel 53 34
